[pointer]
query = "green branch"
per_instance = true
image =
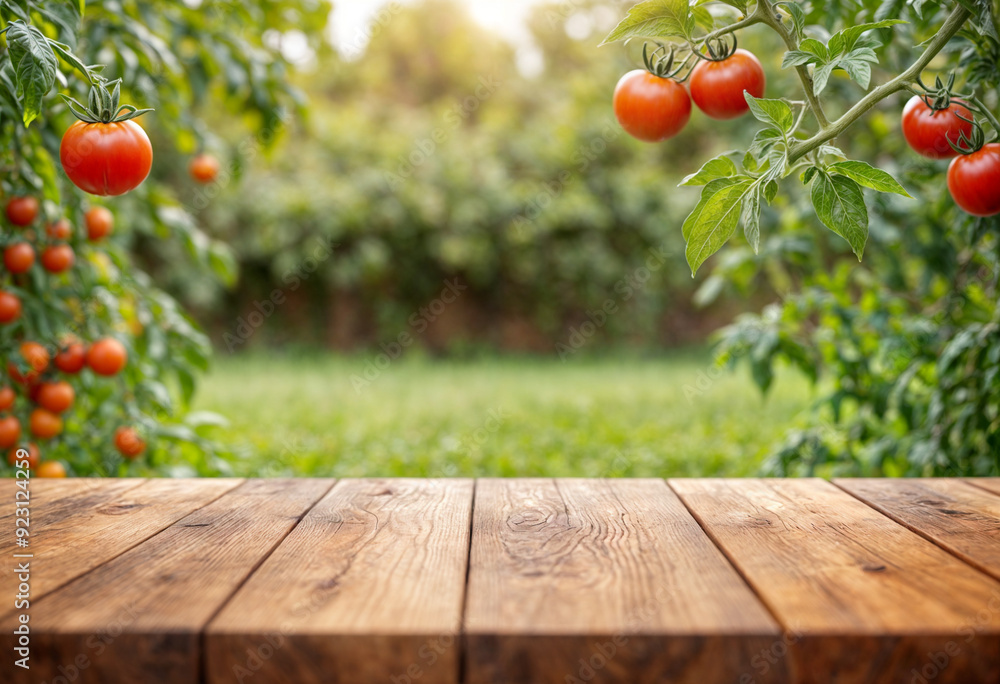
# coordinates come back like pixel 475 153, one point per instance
pixel 951 26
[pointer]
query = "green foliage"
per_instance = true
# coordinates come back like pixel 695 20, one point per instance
pixel 175 58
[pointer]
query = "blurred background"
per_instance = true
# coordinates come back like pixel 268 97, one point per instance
pixel 452 261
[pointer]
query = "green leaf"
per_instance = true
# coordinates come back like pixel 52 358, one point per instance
pixel 35 67
pixel 750 216
pixel 794 58
pixel 715 218
pixel 71 59
pixel 868 176
pixel 840 205
pixel 795 10
pixel 654 19
pixel 776 112
pixel 720 167
pixel 821 75
pixel 844 41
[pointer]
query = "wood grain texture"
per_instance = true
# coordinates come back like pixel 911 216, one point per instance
pixel 953 514
pixel 867 599
pixel 138 617
pixel 367 588
pixel 78 525
pixel 990 484
pixel 604 581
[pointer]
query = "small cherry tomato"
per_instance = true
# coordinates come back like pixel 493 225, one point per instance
pixel 107 356
pixel 37 358
pixel 22 211
pixel 60 230
pixel 56 397
pixel 10 307
pixel 128 442
pixel 71 358
pixel 57 258
pixel 10 431
pixel 32 457
pixel 7 398
pixel 50 469
pixel 928 131
pixel 44 424
pixel 100 223
pixel 651 108
pixel 204 168
pixel 717 87
pixel 19 257
pixel 974 180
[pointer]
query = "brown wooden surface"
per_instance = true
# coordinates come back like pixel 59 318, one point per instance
pixel 612 571
pixel 76 525
pixel 526 581
pixel 368 587
pixel 869 600
pixel 953 514
pixel 137 618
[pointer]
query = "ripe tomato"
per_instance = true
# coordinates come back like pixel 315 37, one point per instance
pixel 19 257
pixel 71 358
pixel 37 358
pixel 204 168
pixel 32 458
pixel 974 180
pixel 56 397
pixel 7 397
pixel 22 211
pixel 10 307
pixel 928 131
pixel 57 258
pixel 107 356
pixel 651 108
pixel 128 442
pixel 10 431
pixel 44 424
pixel 106 158
pixel 100 223
pixel 60 230
pixel 717 87
pixel 50 469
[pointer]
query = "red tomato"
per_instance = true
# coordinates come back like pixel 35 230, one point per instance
pixel 10 307
pixel 107 356
pixel 7 397
pixel 928 131
pixel 44 424
pixel 106 158
pixel 128 442
pixel 100 223
pixel 717 87
pixel 57 258
pixel 31 458
pixel 22 211
pixel 19 257
pixel 204 168
pixel 651 108
pixel 37 358
pixel 10 431
pixel 71 358
pixel 56 397
pixel 60 230
pixel 974 181
pixel 50 469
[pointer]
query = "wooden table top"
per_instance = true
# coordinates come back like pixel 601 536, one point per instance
pixel 505 581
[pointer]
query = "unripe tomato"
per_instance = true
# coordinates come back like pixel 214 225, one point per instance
pixel 32 457
pixel 128 442
pixel 10 431
pixel 56 397
pixel 107 356
pixel 22 211
pixel 106 158
pixel 100 223
pixel 651 108
pixel 717 87
pixel 204 168
pixel 974 180
pixel 10 307
pixel 50 469
pixel 57 258
pixel 7 398
pixel 71 358
pixel 37 358
pixel 60 230
pixel 19 257
pixel 44 424
pixel 928 131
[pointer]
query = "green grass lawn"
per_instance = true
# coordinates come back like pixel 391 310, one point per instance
pixel 508 417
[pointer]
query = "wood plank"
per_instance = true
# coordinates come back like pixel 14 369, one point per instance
pixel 953 514
pixel 868 600
pixel 990 484
pixel 78 525
pixel 608 581
pixel 137 618
pixel 371 588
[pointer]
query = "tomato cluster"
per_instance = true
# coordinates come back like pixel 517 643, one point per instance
pixel 653 106
pixel 43 377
